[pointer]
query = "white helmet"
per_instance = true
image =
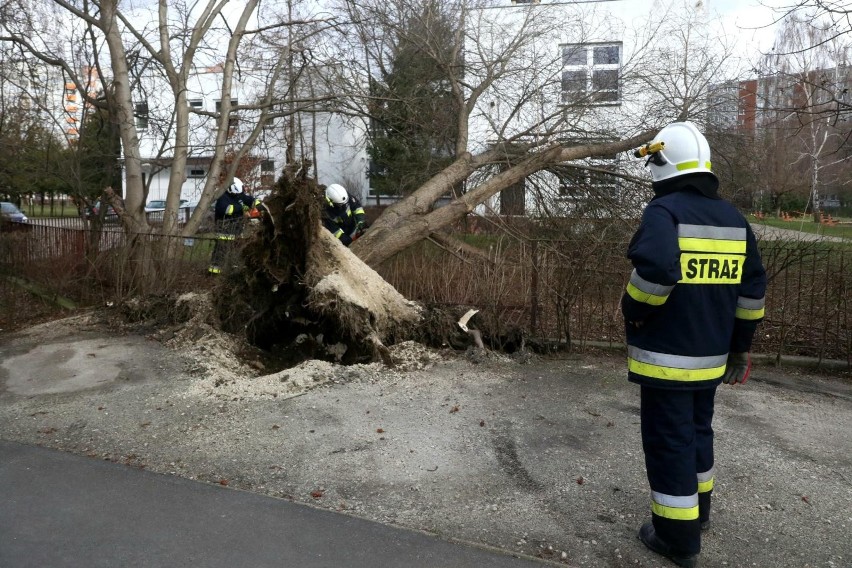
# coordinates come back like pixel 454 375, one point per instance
pixel 236 186
pixel 336 194
pixel 685 151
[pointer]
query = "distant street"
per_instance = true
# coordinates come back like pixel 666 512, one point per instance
pixel 767 233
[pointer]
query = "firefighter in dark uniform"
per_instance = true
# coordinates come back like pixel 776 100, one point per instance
pixel 343 214
pixel 232 208
pixel 694 299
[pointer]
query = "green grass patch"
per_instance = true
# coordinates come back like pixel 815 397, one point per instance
pixel 58 210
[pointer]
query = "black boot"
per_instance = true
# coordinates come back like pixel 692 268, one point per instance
pixel 650 539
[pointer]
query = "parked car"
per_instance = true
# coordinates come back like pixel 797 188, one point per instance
pixel 10 212
pixel 93 211
pixel 155 209
pixel 160 205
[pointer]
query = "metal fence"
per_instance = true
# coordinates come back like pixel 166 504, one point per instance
pixel 90 267
pixel 570 290
pixel 566 289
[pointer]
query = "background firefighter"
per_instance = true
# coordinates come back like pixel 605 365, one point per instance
pixel 694 299
pixel 343 214
pixel 232 209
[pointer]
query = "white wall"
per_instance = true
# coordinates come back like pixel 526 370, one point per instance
pixel 340 141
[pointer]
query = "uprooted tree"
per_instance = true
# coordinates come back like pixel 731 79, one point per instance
pixel 303 294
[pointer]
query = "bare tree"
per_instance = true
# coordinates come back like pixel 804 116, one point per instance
pixel 805 83
pixel 518 116
pixel 159 54
pixel 828 41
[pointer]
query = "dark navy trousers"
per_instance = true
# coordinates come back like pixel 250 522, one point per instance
pixel 677 438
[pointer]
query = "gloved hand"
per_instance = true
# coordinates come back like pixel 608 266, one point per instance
pixel 738 368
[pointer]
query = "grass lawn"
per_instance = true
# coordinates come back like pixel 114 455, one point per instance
pixel 59 210
pixel 840 230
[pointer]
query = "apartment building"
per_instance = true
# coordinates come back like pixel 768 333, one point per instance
pixel 585 72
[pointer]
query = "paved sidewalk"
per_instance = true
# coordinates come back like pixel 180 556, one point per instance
pixel 61 510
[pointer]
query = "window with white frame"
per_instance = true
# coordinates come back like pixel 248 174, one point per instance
pixel 196 173
pixel 195 103
pixel 591 72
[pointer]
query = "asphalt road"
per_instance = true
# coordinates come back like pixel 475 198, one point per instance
pixel 538 457
pixel 60 510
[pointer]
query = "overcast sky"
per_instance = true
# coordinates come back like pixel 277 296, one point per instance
pixel 750 20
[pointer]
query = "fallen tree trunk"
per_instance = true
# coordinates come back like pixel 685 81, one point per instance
pixel 298 293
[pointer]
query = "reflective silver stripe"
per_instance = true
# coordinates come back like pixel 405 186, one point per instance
pixel 708 232
pixel 750 303
pixel 676 361
pixel 707 475
pixel 706 481
pixel 649 287
pixel 680 502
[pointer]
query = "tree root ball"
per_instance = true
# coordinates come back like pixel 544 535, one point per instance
pixel 300 293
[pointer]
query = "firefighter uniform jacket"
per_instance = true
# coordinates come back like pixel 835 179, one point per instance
pixel 697 289
pixel 232 207
pixel 344 220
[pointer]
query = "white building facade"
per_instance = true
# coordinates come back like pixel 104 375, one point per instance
pixel 332 143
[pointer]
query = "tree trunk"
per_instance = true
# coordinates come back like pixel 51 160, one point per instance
pixel 412 219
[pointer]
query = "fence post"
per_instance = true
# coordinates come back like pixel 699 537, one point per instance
pixel 534 289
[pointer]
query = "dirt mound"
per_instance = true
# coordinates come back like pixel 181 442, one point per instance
pixel 228 367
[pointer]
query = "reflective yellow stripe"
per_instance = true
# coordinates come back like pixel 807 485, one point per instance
pixel 673 373
pixel 338 233
pixel 359 211
pixel 645 297
pixel 226 237
pixel 698 268
pixel 647 292
pixel 668 366
pixel 750 308
pixel 229 210
pixel 744 314
pixel 711 245
pixel 705 480
pixel 676 513
pixel 691 165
